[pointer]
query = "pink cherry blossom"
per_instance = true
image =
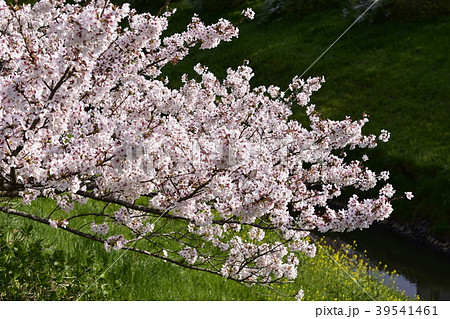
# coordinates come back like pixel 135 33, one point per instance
pixel 200 173
pixel 409 195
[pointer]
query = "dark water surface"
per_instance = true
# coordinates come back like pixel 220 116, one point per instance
pixel 421 270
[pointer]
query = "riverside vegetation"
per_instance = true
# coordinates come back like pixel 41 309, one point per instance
pixel 55 265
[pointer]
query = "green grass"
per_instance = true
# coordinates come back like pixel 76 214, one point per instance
pixel 52 264
pixel 395 72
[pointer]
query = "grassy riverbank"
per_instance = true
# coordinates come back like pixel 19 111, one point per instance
pixel 42 263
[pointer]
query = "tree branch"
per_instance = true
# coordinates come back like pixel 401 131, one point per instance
pixel 67 74
pixel 41 220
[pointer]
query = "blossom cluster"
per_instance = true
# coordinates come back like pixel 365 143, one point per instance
pixel 85 112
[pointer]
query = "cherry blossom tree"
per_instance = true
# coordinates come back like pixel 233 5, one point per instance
pixel 212 175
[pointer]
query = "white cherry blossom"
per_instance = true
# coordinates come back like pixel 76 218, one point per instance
pixel 200 173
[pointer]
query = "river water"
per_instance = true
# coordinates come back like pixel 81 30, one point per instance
pixel 421 270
